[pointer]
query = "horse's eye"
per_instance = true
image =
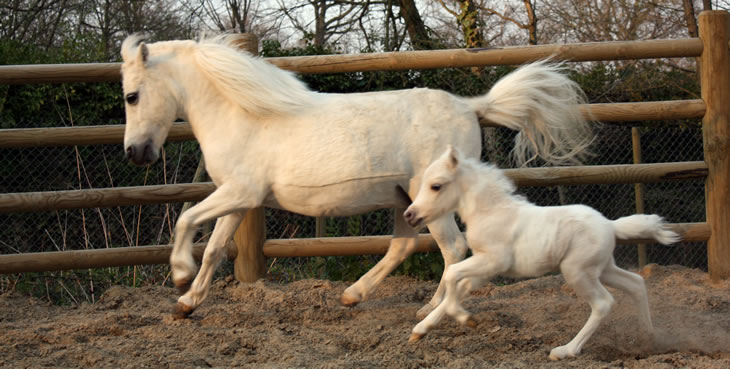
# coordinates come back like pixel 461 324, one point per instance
pixel 435 187
pixel 132 98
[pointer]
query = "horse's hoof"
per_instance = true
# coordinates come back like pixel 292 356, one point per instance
pixel 181 311
pixel 415 337
pixel 183 285
pixel 349 300
pixel 471 322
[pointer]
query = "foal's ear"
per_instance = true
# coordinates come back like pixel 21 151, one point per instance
pixel 454 157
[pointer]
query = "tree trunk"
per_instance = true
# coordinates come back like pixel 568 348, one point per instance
pixel 470 24
pixel 414 25
pixel 320 25
pixel 532 21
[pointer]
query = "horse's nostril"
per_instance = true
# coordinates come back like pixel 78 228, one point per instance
pixel 408 215
pixel 130 152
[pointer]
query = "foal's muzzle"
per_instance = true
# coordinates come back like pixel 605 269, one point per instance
pixel 141 154
pixel 412 218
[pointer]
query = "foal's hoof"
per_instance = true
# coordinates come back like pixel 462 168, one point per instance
pixel 183 285
pixel 423 312
pixel 181 311
pixel 349 300
pixel 415 337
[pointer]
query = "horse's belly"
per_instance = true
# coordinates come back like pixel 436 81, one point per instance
pixel 355 196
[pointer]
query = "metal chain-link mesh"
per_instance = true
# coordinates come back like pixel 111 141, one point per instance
pixel 98 166
pixel 101 166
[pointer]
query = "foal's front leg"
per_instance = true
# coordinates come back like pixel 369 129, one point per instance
pixel 480 266
pixel 453 248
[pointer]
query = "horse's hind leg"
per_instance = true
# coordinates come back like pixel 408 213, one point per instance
pixel 401 246
pixel 215 251
pixel 453 248
pixel 633 285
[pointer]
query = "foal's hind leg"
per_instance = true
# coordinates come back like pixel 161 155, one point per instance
pixel 215 251
pixel 586 285
pixel 634 286
pixel 401 246
pixel 453 248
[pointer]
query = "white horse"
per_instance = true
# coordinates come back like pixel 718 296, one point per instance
pixel 270 141
pixel 509 236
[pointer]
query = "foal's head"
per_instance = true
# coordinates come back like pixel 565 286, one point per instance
pixel 150 105
pixel 438 194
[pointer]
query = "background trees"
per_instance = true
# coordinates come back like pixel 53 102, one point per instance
pixel 68 31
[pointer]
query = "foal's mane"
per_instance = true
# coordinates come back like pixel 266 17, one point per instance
pixel 249 82
pixel 492 177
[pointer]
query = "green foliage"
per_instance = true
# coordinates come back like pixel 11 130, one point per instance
pixel 101 103
pixel 50 105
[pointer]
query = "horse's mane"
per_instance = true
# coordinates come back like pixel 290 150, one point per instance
pixel 251 83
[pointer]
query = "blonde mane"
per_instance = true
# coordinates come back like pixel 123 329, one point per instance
pixel 256 86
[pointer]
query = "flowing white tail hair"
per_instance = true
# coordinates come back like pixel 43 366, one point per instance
pixel 543 104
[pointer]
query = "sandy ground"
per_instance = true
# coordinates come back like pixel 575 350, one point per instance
pixel 302 325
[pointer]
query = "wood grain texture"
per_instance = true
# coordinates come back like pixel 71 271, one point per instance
pixel 330 246
pixel 103 197
pixel 250 263
pixel 401 60
pixel 114 134
pixel 715 82
pixel 524 177
pixel 607 174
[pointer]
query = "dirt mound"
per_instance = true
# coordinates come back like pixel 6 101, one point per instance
pixel 301 324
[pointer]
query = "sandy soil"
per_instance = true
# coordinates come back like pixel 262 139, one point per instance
pixel 302 325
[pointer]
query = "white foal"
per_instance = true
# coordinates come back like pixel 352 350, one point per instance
pixel 509 236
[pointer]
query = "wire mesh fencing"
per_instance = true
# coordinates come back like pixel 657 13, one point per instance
pixel 99 166
pixel 103 166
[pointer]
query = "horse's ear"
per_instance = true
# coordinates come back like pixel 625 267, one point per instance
pixel 142 53
pixel 454 157
pixel 134 49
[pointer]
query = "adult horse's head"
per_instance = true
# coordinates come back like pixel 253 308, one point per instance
pixel 150 103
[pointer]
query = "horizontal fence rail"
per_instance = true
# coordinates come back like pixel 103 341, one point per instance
pixel 298 247
pixel 398 60
pixel 114 134
pixel 707 108
pixel 524 177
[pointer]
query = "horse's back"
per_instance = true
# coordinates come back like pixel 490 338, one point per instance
pixel 348 153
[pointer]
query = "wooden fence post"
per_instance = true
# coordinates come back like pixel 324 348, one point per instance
pixel 715 80
pixel 250 263
pixel 638 190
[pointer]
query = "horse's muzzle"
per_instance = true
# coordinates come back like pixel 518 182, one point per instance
pixel 142 154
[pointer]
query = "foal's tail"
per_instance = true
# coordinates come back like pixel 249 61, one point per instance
pixel 646 227
pixel 543 104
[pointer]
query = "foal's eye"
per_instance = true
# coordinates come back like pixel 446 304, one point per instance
pixel 132 98
pixel 435 187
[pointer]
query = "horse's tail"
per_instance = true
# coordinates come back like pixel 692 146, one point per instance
pixel 544 105
pixel 646 227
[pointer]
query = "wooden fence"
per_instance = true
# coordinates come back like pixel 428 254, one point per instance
pixel 249 246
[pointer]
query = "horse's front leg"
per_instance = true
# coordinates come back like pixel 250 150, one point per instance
pixel 215 251
pixel 225 200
